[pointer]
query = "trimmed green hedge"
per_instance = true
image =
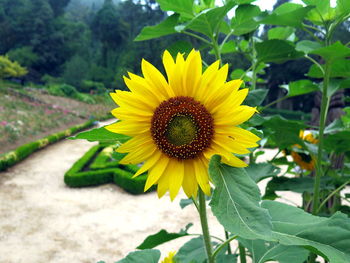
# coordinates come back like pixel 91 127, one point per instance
pixel 100 165
pixel 23 151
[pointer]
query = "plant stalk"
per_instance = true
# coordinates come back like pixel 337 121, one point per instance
pixel 205 228
pixel 242 255
pixel 323 117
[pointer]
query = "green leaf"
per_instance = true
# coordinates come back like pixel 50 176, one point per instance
pixel 256 97
pixel 226 259
pixel 332 52
pixel 192 252
pixel 339 69
pixel 260 171
pixel 287 14
pixel 183 7
pixel 148 255
pixel 300 87
pixel 263 251
pixel 327 237
pixel 161 237
pixel 307 46
pixel 338 142
pixel 276 50
pixel 235 201
pixel 343 7
pixel 181 46
pixel 101 135
pixel 229 47
pixel 322 12
pixel 166 27
pixel 298 185
pixel 209 20
pixel 282 131
pixel 282 33
pixel 243 22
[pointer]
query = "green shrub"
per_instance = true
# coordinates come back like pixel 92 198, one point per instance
pixel 89 85
pixel 100 165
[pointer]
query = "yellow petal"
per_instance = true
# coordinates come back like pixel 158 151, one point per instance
pixel 222 93
pixel 189 184
pixel 156 171
pixel 129 128
pixel 175 173
pixel 201 171
pixel 169 63
pixel 227 157
pixel 140 86
pixel 206 80
pixel 233 100
pixel 130 113
pixel 192 73
pixel 126 98
pixel 135 143
pixel 163 185
pixel 234 117
pixel 229 144
pixel 148 164
pixel 140 155
pixel 156 79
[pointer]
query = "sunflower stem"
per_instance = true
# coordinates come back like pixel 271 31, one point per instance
pixel 205 227
pixel 323 117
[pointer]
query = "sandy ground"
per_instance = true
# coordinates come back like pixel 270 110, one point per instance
pixel 42 220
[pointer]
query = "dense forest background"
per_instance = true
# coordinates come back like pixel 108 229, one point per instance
pixel 89 44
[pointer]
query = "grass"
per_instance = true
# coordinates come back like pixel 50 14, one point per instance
pixel 27 114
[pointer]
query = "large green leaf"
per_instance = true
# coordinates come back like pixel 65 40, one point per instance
pixel 343 7
pixel 276 50
pixel 260 171
pixel 322 12
pixel 101 135
pixel 226 259
pixel 256 97
pixel 208 21
pixel 328 237
pixel 148 255
pixel 161 237
pixel 338 142
pixel 263 251
pixel 282 131
pixel 339 69
pixel 298 185
pixel 236 201
pixel 243 22
pixel 307 46
pixel 164 28
pixel 183 7
pixel 333 52
pixel 300 87
pixel 192 252
pixel 282 33
pixel 287 14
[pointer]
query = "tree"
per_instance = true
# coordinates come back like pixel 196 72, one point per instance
pixel 10 68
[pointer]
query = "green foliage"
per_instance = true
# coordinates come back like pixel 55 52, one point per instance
pixel 235 201
pixel 22 152
pixel 276 50
pixel 10 68
pixel 300 87
pixel 161 237
pixel 148 255
pixel 260 171
pixel 192 251
pixel 327 237
pixel 101 135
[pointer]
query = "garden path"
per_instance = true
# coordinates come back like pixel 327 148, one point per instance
pixel 42 220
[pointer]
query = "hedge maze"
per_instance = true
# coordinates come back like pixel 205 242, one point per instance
pixel 100 165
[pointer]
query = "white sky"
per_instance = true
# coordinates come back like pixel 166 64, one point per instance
pixel 268 4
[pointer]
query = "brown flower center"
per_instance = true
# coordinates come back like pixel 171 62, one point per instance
pixel 182 128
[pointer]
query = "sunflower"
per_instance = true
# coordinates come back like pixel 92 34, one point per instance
pixel 169 258
pixel 177 124
pixel 304 160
